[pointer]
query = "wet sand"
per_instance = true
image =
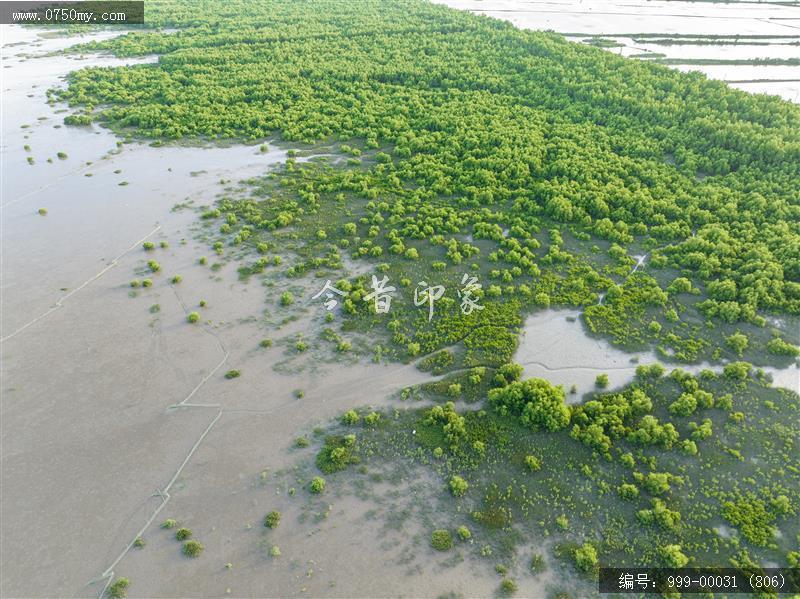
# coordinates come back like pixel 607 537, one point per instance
pixel 92 449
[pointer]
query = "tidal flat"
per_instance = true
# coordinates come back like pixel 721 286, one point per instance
pixel 167 377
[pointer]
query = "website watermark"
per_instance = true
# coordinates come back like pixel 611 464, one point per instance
pixel 90 12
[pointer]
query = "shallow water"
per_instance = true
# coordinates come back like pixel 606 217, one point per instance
pixel 620 21
pixel 92 447
pixel 555 346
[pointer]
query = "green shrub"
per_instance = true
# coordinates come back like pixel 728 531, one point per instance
pixel 317 485
pixel 601 382
pixel 441 540
pixel 182 534
pixel 463 533
pixel 272 519
pixel 192 548
pixel 275 551
pixel 232 374
pixel 169 523
pixel 148 246
pixel 177 279
pixel 147 283
pixel 533 463
pixel 586 557
pixel 287 299
pixel 193 317
pixel 779 347
pixel 43 211
pixel 458 486
pixel 153 266
pixel 118 589
pixel 266 343
pixel 350 418
pixel 508 586
pixel 628 491
pixel 673 556
pixel 537 563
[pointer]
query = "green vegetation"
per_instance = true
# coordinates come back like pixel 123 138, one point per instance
pixel 287 299
pixel 232 374
pixel 193 317
pixel 118 589
pixel 272 519
pixel 661 204
pixel 182 534
pixel 458 486
pixel 192 548
pixel 317 485
pixel 43 211
pixel 441 540
pixel 169 523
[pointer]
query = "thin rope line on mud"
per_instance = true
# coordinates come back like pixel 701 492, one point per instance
pixel 108 573
pixel 226 354
pixel 63 298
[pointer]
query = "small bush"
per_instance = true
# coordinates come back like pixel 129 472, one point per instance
pixel 148 245
pixel 463 533
pixel 147 283
pixel 275 551
pixel 193 317
pixel 266 343
pixel 153 266
pixel 232 374
pixel 119 589
pixel 43 211
pixel 301 442
pixel 139 543
pixel 135 283
pixel 177 279
pixel 537 563
pixel 182 534
pixel 533 463
pixel 272 519
pixel 601 382
pixel 441 540
pixel 350 417
pixel 458 486
pixel 317 485
pixel 586 557
pixel 169 523
pixel 508 586
pixel 192 548
pixel 287 299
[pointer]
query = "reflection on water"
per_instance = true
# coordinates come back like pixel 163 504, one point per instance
pixel 555 346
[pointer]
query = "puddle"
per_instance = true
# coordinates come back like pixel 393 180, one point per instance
pixel 554 346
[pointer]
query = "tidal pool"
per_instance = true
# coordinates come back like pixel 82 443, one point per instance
pixel 554 345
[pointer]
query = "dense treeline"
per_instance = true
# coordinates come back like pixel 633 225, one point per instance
pixel 495 120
